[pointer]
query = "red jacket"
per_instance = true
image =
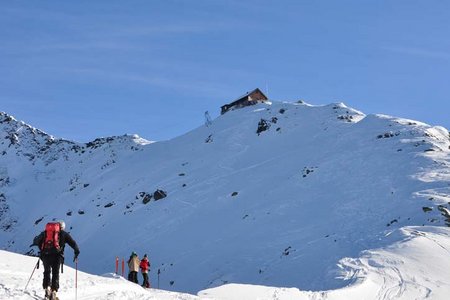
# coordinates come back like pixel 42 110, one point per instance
pixel 144 265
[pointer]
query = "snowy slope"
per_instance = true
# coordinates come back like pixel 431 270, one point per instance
pixel 16 270
pixel 405 270
pixel 278 208
pixel 416 268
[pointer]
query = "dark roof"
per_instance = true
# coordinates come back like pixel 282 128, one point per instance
pixel 244 96
pixel 248 93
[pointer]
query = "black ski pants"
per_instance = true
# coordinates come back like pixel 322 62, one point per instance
pixel 146 283
pixel 52 264
pixel 133 276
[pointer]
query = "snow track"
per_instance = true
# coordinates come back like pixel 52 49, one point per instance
pixel 408 269
pixel 415 266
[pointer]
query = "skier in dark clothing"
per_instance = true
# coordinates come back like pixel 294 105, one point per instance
pixel 51 243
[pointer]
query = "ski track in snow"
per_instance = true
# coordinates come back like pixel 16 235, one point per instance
pixel 399 271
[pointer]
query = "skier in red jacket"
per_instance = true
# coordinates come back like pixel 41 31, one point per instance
pixel 145 268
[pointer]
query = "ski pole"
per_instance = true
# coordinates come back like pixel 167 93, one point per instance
pixel 35 267
pixel 159 272
pixel 76 278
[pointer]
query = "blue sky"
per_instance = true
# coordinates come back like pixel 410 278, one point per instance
pixel 86 69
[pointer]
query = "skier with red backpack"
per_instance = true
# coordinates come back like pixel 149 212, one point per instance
pixel 51 243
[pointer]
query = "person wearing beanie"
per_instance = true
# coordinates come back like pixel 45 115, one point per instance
pixel 145 268
pixel 133 265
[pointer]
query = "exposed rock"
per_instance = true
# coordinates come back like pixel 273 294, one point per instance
pixel 159 194
pixel 387 135
pixel 263 125
pixel 445 213
pixel 348 118
pixel 307 170
pixel 146 198
pixel 287 251
pixel 392 222
pixel 427 209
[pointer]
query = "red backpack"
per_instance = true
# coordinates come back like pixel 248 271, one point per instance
pixel 51 239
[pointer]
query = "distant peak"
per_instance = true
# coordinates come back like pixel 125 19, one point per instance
pixel 16 124
pixel 4 117
pixel 139 140
pixel 118 139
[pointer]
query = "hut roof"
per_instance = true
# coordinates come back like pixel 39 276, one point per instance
pixel 248 93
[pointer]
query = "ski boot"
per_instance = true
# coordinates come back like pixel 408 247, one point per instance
pixel 53 295
pixel 48 293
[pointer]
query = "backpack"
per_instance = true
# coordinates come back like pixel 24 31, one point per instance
pixel 50 245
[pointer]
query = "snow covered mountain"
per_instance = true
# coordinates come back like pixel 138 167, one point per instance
pixel 280 194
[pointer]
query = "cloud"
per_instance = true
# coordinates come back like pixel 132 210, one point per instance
pixel 85 45
pixel 419 52
pixel 191 85
pixel 67 41
pixel 165 29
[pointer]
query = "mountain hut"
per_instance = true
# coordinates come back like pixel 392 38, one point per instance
pixel 250 98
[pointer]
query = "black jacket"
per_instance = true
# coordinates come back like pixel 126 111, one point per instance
pixel 64 237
